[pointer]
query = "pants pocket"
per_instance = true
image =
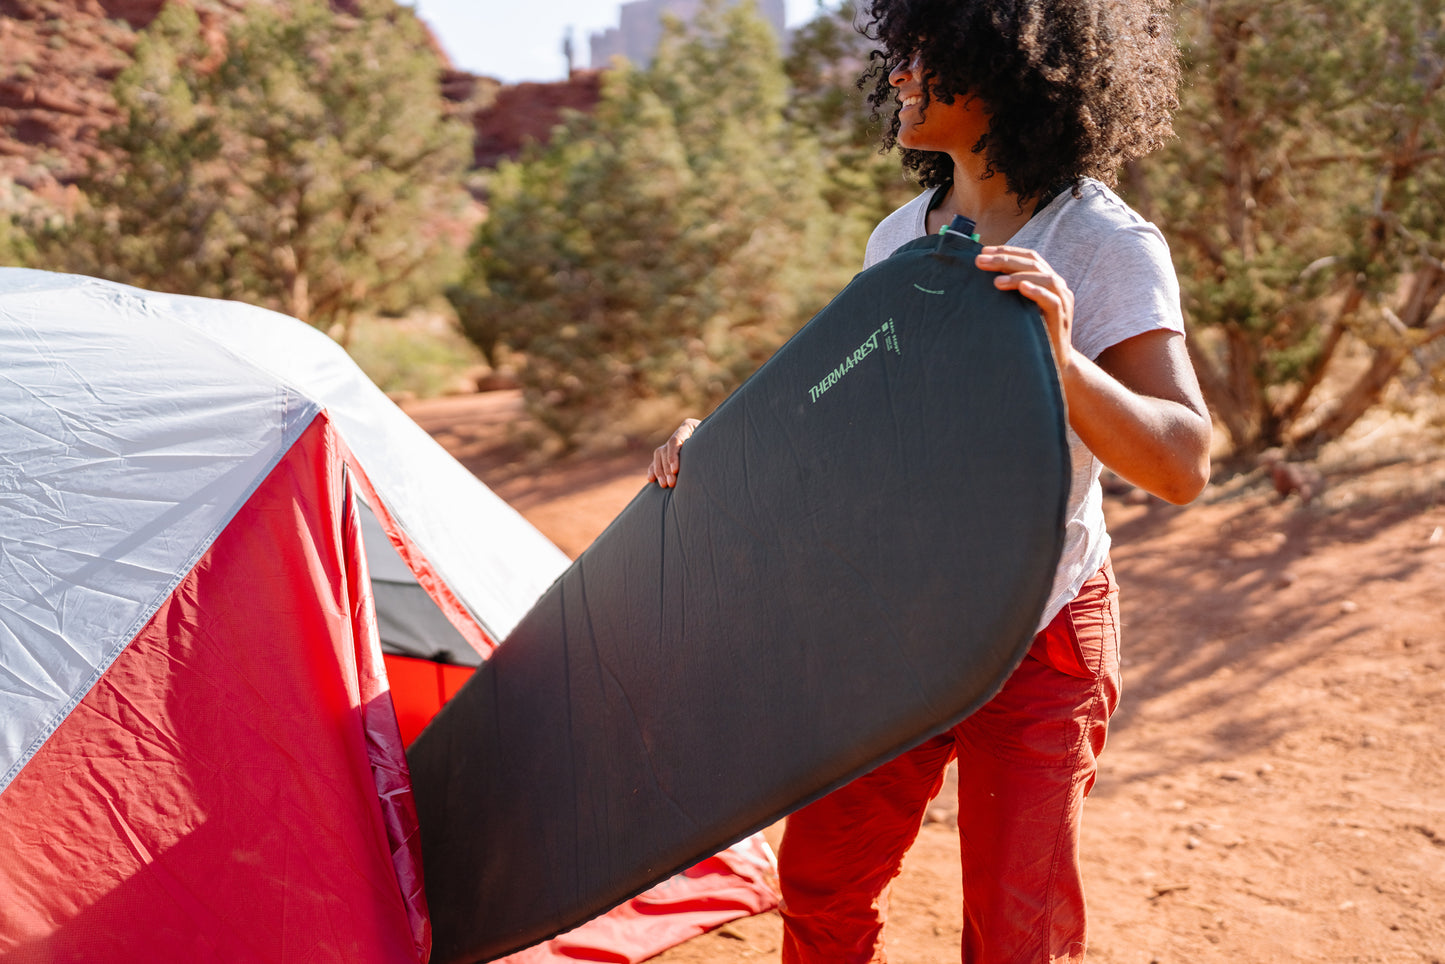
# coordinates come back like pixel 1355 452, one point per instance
pixel 1082 640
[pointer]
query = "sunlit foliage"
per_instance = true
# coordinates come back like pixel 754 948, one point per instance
pixel 304 167
pixel 665 245
pixel 1304 200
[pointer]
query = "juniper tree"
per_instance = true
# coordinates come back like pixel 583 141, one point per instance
pixel 339 149
pixel 304 167
pixel 663 246
pixel 826 63
pixel 154 195
pixel 1303 199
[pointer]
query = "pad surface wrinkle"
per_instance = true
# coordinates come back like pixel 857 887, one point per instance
pixel 857 552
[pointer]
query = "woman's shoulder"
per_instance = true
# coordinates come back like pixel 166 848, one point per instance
pixel 1093 209
pixel 1116 262
pixel 897 229
pixel 1092 225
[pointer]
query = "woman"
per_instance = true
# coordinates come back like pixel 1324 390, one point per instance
pixel 1019 114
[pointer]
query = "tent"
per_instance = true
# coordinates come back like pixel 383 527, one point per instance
pixel 206 512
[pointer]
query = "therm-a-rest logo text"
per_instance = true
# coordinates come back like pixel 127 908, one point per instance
pixel 886 335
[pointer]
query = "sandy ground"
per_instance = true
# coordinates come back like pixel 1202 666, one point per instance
pixel 1274 784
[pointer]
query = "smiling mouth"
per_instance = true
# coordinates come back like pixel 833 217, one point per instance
pixel 910 100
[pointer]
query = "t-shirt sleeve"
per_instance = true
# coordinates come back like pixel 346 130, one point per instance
pixel 874 252
pixel 896 230
pixel 1129 288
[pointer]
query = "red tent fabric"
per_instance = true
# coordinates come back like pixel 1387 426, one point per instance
pixel 420 688
pixel 213 797
pixel 200 755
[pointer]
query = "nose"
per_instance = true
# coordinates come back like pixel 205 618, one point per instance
pixel 902 72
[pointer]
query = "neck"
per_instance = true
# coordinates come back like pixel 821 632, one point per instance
pixel 996 210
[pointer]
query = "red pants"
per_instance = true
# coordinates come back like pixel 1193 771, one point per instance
pixel 1026 760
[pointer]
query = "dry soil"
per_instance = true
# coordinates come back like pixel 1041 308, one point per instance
pixel 1273 789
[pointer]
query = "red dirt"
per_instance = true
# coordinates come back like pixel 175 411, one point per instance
pixel 1274 784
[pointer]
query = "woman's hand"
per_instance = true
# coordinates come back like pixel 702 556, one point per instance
pixel 1137 407
pixel 1026 272
pixel 666 459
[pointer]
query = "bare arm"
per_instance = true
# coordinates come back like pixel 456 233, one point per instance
pixel 1140 411
pixel 1139 408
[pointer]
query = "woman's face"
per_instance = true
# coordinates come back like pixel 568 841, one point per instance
pixel 950 128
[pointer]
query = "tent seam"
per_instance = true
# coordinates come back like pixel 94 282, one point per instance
pixel 290 433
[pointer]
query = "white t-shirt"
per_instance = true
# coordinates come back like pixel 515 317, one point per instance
pixel 1124 285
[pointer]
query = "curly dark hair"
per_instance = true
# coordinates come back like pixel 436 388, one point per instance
pixel 1077 88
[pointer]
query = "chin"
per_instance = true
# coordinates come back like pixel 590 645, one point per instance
pixel 913 139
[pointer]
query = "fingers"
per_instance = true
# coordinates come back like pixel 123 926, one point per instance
pixel 667 457
pixel 1029 274
pixel 1001 257
pixel 1026 272
pixel 1050 283
pixel 1048 291
pixel 663 469
pixel 1037 289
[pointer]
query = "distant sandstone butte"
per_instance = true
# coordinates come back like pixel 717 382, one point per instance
pixel 61 57
pixel 528 112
